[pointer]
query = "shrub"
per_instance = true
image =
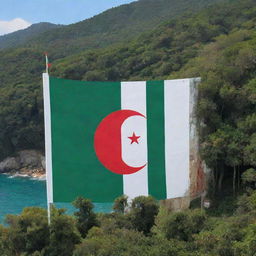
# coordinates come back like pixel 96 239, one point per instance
pixel 142 213
pixel 85 216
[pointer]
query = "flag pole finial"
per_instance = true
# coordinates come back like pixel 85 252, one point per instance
pixel 47 64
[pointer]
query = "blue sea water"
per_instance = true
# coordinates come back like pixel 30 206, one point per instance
pixel 18 192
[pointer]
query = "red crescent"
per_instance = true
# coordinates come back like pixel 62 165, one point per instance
pixel 107 142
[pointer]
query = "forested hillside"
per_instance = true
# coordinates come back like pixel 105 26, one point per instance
pixel 227 106
pixel 218 44
pixel 22 36
pixel 158 54
pixel 112 26
pixel 21 112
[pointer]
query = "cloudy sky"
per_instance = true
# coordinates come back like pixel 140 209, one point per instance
pixel 19 14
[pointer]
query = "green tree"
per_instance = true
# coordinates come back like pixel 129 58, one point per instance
pixel 180 225
pixel 63 234
pixel 120 204
pixel 247 203
pixel 3 241
pixel 28 232
pixel 142 213
pixel 125 242
pixel 249 178
pixel 247 246
pixel 250 151
pixel 85 216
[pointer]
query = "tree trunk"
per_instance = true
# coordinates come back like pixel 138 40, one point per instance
pixel 234 180
pixel 238 178
pixel 221 176
pixel 214 178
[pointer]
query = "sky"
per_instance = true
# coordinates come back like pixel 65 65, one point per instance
pixel 20 14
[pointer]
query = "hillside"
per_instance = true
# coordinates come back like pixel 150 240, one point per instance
pixel 23 36
pixel 112 26
pixel 218 44
pixel 21 112
pixel 157 54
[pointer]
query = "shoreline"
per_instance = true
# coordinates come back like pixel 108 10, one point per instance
pixel 34 174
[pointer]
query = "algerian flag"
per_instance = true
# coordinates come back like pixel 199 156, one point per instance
pixel 105 139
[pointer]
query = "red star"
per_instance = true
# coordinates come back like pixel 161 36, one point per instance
pixel 134 138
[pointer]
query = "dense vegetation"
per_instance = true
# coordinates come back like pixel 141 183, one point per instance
pixel 217 44
pixel 22 36
pixel 115 25
pixel 141 228
pixel 227 106
pixel 21 106
pixel 21 113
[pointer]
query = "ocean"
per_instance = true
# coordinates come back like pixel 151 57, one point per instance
pixel 19 192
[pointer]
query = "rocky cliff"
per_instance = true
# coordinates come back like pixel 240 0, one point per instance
pixel 25 162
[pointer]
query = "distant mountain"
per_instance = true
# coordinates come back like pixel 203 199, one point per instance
pixel 118 24
pixel 22 36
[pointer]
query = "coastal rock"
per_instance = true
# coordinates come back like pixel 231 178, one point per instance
pixel 25 161
pixel 38 173
pixel 30 158
pixel 9 164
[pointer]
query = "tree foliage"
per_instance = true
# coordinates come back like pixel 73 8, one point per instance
pixel 115 25
pixel 120 204
pixel 63 234
pixel 27 233
pixel 217 43
pixel 86 218
pixel 142 213
pixel 193 232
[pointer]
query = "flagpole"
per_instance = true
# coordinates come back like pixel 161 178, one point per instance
pixel 48 142
pixel 46 63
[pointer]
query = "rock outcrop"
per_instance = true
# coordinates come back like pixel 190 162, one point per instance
pixel 8 164
pixel 26 161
